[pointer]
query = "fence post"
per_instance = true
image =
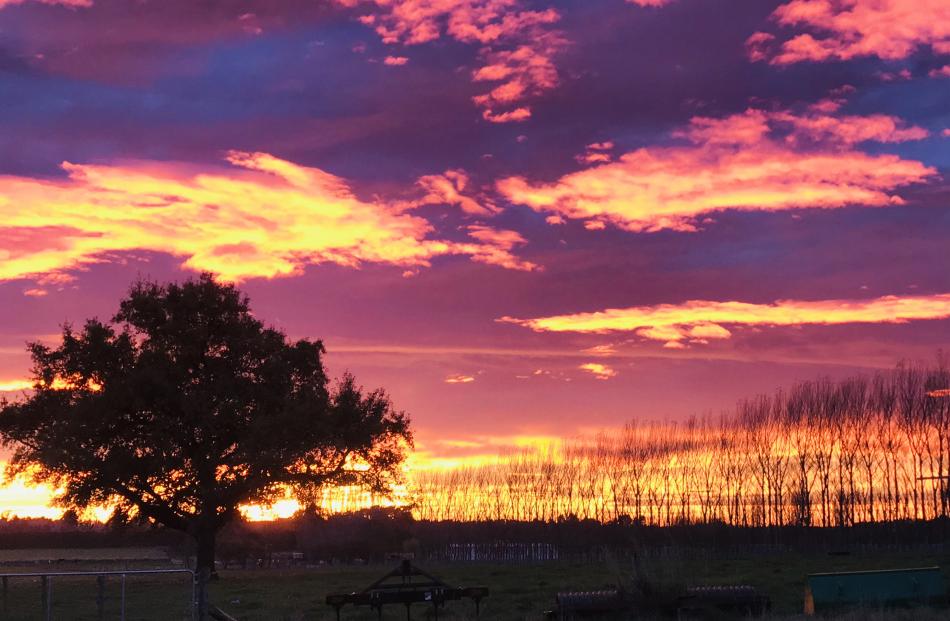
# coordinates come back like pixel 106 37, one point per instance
pixel 101 597
pixel 203 577
pixel 123 598
pixel 47 597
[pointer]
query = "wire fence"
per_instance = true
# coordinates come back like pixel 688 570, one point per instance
pixel 99 595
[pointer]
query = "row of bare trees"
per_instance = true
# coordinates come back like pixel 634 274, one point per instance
pixel 866 449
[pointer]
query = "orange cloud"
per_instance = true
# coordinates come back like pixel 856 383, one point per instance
pixel 517 45
pixel 757 160
pixel 845 29
pixel 260 217
pixel 701 320
pixel 598 370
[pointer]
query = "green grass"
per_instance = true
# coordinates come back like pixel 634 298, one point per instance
pixel 518 592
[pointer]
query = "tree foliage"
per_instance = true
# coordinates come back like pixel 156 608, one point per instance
pixel 185 406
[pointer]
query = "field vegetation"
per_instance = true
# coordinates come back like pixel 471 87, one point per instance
pixel 518 591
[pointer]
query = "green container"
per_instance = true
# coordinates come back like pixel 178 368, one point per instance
pixel 886 587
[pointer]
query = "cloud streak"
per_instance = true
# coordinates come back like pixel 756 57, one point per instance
pixel 598 370
pixel 17 385
pixel 702 320
pixel 459 379
pixel 756 161
pixel 260 217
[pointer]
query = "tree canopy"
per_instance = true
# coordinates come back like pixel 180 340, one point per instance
pixel 185 406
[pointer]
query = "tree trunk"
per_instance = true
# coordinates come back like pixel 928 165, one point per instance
pixel 205 538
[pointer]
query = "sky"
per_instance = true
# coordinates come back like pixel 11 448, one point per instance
pixel 524 219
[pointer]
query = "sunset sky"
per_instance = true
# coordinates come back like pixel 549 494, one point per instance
pixel 524 219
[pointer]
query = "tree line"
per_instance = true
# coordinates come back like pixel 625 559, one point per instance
pixel 823 453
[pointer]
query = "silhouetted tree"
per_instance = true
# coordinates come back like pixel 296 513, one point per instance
pixel 822 453
pixel 185 406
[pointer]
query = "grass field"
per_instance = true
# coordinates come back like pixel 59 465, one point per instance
pixel 518 592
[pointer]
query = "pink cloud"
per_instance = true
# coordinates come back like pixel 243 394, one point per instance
pixel 894 76
pixel 413 22
pixel 249 24
pixel 756 160
pixel 526 71
pixel 395 61
pixel 593 158
pixel 496 246
pixel 816 125
pixel 66 3
pixel 596 153
pixel 449 189
pixel 845 29
pixel 758 45
pixel 518 114
pixel 517 45
pixel 748 128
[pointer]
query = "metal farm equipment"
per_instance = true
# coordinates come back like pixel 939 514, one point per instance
pixel 743 601
pixel 607 603
pixel 882 588
pixel 407 585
